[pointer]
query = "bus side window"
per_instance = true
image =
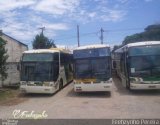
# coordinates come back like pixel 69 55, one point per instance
pixel 122 63
pixel 56 57
pixel 56 66
pixel 62 58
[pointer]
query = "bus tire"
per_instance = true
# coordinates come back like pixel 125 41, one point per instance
pixel 60 84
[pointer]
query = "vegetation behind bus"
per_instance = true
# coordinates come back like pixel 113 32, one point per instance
pixel 42 42
pixel 151 33
pixel 3 59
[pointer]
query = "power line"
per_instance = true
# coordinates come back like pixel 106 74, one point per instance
pixel 90 33
pixel 74 37
pixel 93 33
pixel 117 30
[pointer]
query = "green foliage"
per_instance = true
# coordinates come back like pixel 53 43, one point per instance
pixel 152 27
pixel 3 59
pixel 42 42
pixel 151 33
pixel 116 47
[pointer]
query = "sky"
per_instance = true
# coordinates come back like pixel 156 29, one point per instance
pixel 21 19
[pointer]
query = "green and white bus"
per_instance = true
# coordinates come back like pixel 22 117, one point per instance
pixel 45 70
pixel 92 68
pixel 138 65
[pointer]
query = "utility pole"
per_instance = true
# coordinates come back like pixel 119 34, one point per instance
pixel 101 35
pixel 42 28
pixel 78 35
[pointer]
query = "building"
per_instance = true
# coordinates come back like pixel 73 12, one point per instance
pixel 14 49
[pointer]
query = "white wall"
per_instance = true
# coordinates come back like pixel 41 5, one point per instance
pixel 14 50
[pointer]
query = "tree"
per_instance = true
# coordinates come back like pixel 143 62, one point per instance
pixel 116 47
pixel 42 42
pixel 151 33
pixel 152 27
pixel 3 59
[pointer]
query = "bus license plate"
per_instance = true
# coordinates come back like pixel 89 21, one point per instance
pixel 152 87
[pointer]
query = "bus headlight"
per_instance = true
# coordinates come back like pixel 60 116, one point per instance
pixel 108 81
pixel 136 80
pixel 76 82
pixel 132 79
pixel 51 84
pixel 23 83
pixel 46 84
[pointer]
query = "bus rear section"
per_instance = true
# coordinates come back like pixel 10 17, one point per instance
pixel 92 68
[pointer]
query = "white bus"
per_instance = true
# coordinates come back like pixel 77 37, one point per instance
pixel 45 70
pixel 92 68
pixel 138 65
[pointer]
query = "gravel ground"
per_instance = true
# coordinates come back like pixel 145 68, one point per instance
pixel 119 103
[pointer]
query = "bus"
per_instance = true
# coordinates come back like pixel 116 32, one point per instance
pixel 138 65
pixel 92 68
pixel 45 70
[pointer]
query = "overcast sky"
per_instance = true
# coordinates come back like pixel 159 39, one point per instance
pixel 119 18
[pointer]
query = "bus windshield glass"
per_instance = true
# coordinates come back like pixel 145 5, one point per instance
pixel 144 61
pixel 96 52
pixel 32 57
pixel 93 68
pixel 37 71
pixel 39 67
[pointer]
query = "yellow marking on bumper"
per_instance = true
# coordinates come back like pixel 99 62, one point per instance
pixel 85 80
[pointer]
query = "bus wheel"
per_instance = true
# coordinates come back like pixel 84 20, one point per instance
pixel 60 84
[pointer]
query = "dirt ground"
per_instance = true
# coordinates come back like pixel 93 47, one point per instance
pixel 9 97
pixel 119 103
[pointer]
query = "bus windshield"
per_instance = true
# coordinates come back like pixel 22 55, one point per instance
pixel 39 67
pixel 93 68
pixel 144 61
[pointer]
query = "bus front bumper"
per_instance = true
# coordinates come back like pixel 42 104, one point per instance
pixel 92 87
pixel 136 86
pixel 37 89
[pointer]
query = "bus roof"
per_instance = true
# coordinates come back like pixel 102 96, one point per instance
pixel 92 46
pixel 51 50
pixel 138 44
